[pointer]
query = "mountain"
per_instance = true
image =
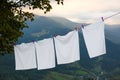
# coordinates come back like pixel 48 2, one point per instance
pixel 53 24
pixel 112 33
pixel 45 27
pixel 67 23
pixel 42 24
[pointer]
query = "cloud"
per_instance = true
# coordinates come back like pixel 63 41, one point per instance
pixel 84 11
pixel 39 34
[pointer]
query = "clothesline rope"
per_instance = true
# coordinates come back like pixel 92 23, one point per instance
pixel 111 16
pixel 103 19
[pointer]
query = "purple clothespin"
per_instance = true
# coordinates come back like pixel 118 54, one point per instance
pixel 76 28
pixel 82 26
pixel 54 35
pixel 102 19
pixel 33 41
pixel 14 44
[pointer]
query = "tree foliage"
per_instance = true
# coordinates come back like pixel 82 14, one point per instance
pixel 12 19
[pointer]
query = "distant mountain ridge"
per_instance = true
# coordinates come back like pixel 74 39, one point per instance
pixel 113 33
pixel 51 23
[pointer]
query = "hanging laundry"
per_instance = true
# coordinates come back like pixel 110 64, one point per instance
pixel 95 39
pixel 67 48
pixel 45 54
pixel 25 57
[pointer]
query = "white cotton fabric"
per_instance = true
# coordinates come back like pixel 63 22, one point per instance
pixel 67 48
pixel 95 39
pixel 25 57
pixel 45 54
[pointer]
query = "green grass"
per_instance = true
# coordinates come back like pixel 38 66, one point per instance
pixel 58 76
pixel 80 72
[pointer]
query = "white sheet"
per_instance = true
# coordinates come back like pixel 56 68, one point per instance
pixel 95 39
pixel 67 48
pixel 25 57
pixel 45 54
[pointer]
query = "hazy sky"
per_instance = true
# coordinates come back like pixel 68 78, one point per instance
pixel 85 11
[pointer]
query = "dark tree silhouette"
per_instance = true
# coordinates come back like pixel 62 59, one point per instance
pixel 12 19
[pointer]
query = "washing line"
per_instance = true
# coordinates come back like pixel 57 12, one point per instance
pixel 103 19
pixel 111 16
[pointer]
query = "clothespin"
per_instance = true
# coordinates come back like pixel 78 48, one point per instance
pixel 102 19
pixel 54 35
pixel 33 41
pixel 76 28
pixel 82 26
pixel 14 44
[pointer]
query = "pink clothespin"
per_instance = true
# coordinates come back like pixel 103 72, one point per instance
pixel 102 19
pixel 54 35
pixel 76 28
pixel 33 41
pixel 14 44
pixel 82 26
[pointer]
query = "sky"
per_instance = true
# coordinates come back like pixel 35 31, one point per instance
pixel 84 11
